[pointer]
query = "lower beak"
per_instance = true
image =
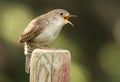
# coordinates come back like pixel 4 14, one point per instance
pixel 67 21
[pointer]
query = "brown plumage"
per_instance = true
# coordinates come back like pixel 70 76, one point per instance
pixel 43 30
pixel 32 30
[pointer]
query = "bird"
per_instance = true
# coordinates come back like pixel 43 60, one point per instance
pixel 42 30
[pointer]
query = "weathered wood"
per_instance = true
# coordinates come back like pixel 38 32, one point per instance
pixel 50 66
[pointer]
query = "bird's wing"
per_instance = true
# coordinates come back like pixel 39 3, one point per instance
pixel 32 30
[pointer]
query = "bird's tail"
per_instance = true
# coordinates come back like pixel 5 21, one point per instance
pixel 28 52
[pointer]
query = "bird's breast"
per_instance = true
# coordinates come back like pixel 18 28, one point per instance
pixel 49 33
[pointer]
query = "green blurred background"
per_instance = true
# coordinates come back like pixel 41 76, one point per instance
pixel 93 42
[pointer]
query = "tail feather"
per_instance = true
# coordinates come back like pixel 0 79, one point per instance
pixel 28 52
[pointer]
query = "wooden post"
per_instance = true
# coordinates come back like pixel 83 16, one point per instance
pixel 50 66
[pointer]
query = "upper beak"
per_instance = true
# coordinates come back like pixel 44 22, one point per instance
pixel 67 17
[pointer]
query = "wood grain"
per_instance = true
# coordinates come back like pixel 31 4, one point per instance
pixel 50 66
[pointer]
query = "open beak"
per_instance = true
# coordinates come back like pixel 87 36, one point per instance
pixel 67 21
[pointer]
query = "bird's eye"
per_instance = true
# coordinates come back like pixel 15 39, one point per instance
pixel 61 14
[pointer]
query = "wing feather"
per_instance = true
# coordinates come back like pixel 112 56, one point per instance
pixel 32 30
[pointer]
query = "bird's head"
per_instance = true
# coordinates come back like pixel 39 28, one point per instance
pixel 65 15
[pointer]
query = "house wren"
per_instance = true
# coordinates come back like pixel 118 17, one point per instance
pixel 43 30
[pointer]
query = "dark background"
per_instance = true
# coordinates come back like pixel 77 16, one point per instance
pixel 93 42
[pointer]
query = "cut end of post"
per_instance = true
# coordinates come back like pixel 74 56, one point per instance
pixel 50 50
pixel 50 65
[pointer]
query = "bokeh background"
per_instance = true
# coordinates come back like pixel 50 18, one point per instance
pixel 94 42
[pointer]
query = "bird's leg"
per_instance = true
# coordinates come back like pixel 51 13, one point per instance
pixel 45 46
pixel 41 46
pixel 49 47
pixel 38 46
